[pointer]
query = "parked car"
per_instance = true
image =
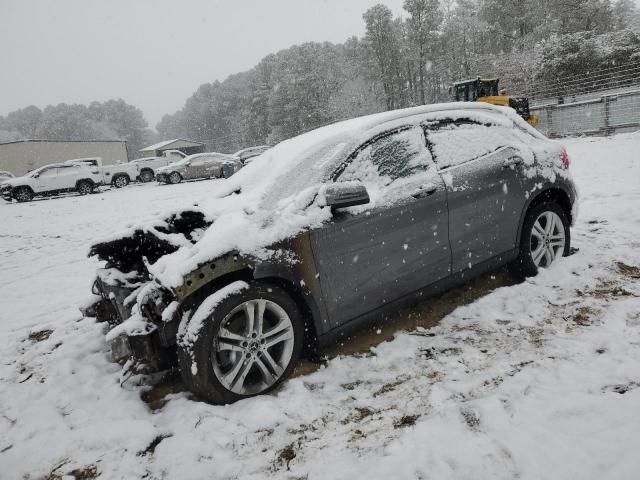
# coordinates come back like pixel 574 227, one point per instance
pixel 4 176
pixel 119 175
pixel 328 231
pixel 248 154
pixel 50 180
pixel 147 166
pixel 199 166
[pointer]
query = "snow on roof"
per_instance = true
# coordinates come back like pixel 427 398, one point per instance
pixel 164 144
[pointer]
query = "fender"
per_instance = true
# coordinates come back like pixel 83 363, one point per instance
pixel 552 191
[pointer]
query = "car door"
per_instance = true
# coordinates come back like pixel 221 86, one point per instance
pixel 369 256
pixel 46 181
pixel 67 176
pixel 482 168
pixel 199 167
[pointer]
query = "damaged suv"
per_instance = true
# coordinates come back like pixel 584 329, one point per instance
pixel 333 228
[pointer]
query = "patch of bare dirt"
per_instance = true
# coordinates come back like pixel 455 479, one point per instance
pixel 406 421
pixel 40 335
pixel 85 473
pixel 284 456
pixel 628 270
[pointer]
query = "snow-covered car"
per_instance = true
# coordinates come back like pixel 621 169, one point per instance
pixel 119 175
pixel 330 230
pixel 4 176
pixel 246 155
pixel 147 166
pixel 50 180
pixel 199 166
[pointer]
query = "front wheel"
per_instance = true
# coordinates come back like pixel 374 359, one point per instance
pixel 545 237
pixel 247 346
pixel 23 195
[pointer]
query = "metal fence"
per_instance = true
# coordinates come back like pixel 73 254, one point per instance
pixel 602 115
pixel 600 103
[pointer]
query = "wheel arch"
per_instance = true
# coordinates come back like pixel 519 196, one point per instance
pixel 552 193
pixel 88 180
pixel 18 187
pixel 303 299
pixel 119 175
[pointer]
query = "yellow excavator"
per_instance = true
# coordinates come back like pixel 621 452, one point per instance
pixel 486 90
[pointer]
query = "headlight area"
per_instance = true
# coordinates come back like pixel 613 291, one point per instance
pixel 132 306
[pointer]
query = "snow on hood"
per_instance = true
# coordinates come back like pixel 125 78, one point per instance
pixel 277 197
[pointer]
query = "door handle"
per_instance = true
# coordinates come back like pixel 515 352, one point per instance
pixel 424 192
pixel 512 162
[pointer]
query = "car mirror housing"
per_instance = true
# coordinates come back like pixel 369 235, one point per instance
pixel 345 194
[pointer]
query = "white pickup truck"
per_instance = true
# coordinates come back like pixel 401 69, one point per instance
pixel 147 166
pixel 118 175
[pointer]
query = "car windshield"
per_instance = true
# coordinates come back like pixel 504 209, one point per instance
pixel 36 171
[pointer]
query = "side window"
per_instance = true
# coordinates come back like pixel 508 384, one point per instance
pixel 49 172
pixel 387 158
pixel 457 142
pixel 196 162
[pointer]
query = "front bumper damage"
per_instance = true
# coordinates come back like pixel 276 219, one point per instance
pixel 130 302
pixel 132 307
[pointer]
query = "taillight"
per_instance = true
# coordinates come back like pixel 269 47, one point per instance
pixel 564 157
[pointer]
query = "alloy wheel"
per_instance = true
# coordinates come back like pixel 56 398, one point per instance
pixel 252 347
pixel 121 182
pixel 547 239
pixel 175 178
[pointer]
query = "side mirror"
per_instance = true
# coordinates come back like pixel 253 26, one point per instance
pixel 345 194
pixel 188 164
pixel 36 175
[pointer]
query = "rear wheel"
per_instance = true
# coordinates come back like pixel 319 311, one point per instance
pixel 246 347
pixel 23 194
pixel 146 176
pixel 174 178
pixel 121 181
pixel 545 238
pixel 84 187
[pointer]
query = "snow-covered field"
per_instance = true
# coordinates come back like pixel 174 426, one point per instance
pixel 537 380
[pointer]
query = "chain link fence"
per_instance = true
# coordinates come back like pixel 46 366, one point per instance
pixel 614 108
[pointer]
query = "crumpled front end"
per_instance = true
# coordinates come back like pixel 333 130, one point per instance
pixel 138 310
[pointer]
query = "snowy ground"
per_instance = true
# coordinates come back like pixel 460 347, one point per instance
pixel 536 380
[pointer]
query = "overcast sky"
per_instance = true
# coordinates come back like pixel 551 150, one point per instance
pixel 153 54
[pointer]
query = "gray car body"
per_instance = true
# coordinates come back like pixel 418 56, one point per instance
pixel 361 266
pixel 199 166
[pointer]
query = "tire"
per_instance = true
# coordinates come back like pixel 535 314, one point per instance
pixel 545 236
pixel 84 187
pixel 146 176
pixel 121 181
pixel 23 194
pixel 175 178
pixel 244 365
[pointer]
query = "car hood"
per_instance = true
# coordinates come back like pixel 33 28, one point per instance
pixel 13 182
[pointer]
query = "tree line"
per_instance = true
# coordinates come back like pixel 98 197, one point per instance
pixel 110 120
pixel 532 45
